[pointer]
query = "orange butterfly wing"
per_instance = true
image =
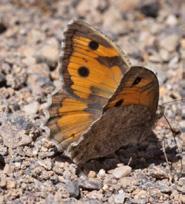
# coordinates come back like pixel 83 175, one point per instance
pixel 139 86
pixel 92 68
pixel 91 65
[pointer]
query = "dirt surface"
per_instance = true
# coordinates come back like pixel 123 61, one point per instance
pixel 31 168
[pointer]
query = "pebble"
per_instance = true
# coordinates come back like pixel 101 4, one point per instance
pixel 120 197
pixel 2 199
pixel 121 171
pixel 13 137
pixel 127 181
pixel 171 20
pixel 182 125
pixel 95 195
pixel 46 163
pixel 90 184
pixel 101 173
pixel 10 183
pixel 182 198
pixel 170 42
pixel 73 188
pixel 3 181
pixel 32 108
pixel 159 173
pixel 181 185
pixel 92 174
pixel 164 54
pixel 141 195
pixel 35 36
pixel 164 187
pixel 49 53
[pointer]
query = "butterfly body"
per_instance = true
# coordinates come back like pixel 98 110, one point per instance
pixel 105 103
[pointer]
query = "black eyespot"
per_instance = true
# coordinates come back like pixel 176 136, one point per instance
pixel 118 103
pixel 83 71
pixel 136 81
pixel 93 45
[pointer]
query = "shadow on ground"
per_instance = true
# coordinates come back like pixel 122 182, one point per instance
pixel 137 156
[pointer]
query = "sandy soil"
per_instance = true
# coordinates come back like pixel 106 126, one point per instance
pixel 31 168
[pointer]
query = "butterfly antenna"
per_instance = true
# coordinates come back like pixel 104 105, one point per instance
pixel 175 100
pixel 174 131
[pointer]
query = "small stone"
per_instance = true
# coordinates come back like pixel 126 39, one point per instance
pixel 92 174
pixel 27 51
pixel 32 108
pixel 13 137
pixel 47 164
pixel 127 181
pixel 181 181
pixel 173 61
pixel 182 198
pixel 49 53
pixel 182 125
pixel 73 188
pixel 159 173
pixel 11 184
pixel 127 5
pixel 121 171
pixel 183 113
pixel 171 20
pixel 181 185
pixel 3 181
pixel 140 195
pixel 120 197
pixel 164 187
pixel 101 173
pixel 8 169
pixel 155 193
pixel 105 187
pixel 170 42
pixel 35 36
pixel 90 184
pixel 95 195
pixel 164 54
pixel 112 15
pixel 2 199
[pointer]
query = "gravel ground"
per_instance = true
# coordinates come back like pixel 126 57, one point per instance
pixel 31 168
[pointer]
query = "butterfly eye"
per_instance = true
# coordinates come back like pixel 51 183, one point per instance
pixel 118 103
pixel 136 81
pixel 93 45
pixel 83 71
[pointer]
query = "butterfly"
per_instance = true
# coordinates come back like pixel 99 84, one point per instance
pixel 105 103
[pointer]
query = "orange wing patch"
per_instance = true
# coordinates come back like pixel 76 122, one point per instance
pixel 91 65
pixel 87 72
pixel 139 86
pixel 69 120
